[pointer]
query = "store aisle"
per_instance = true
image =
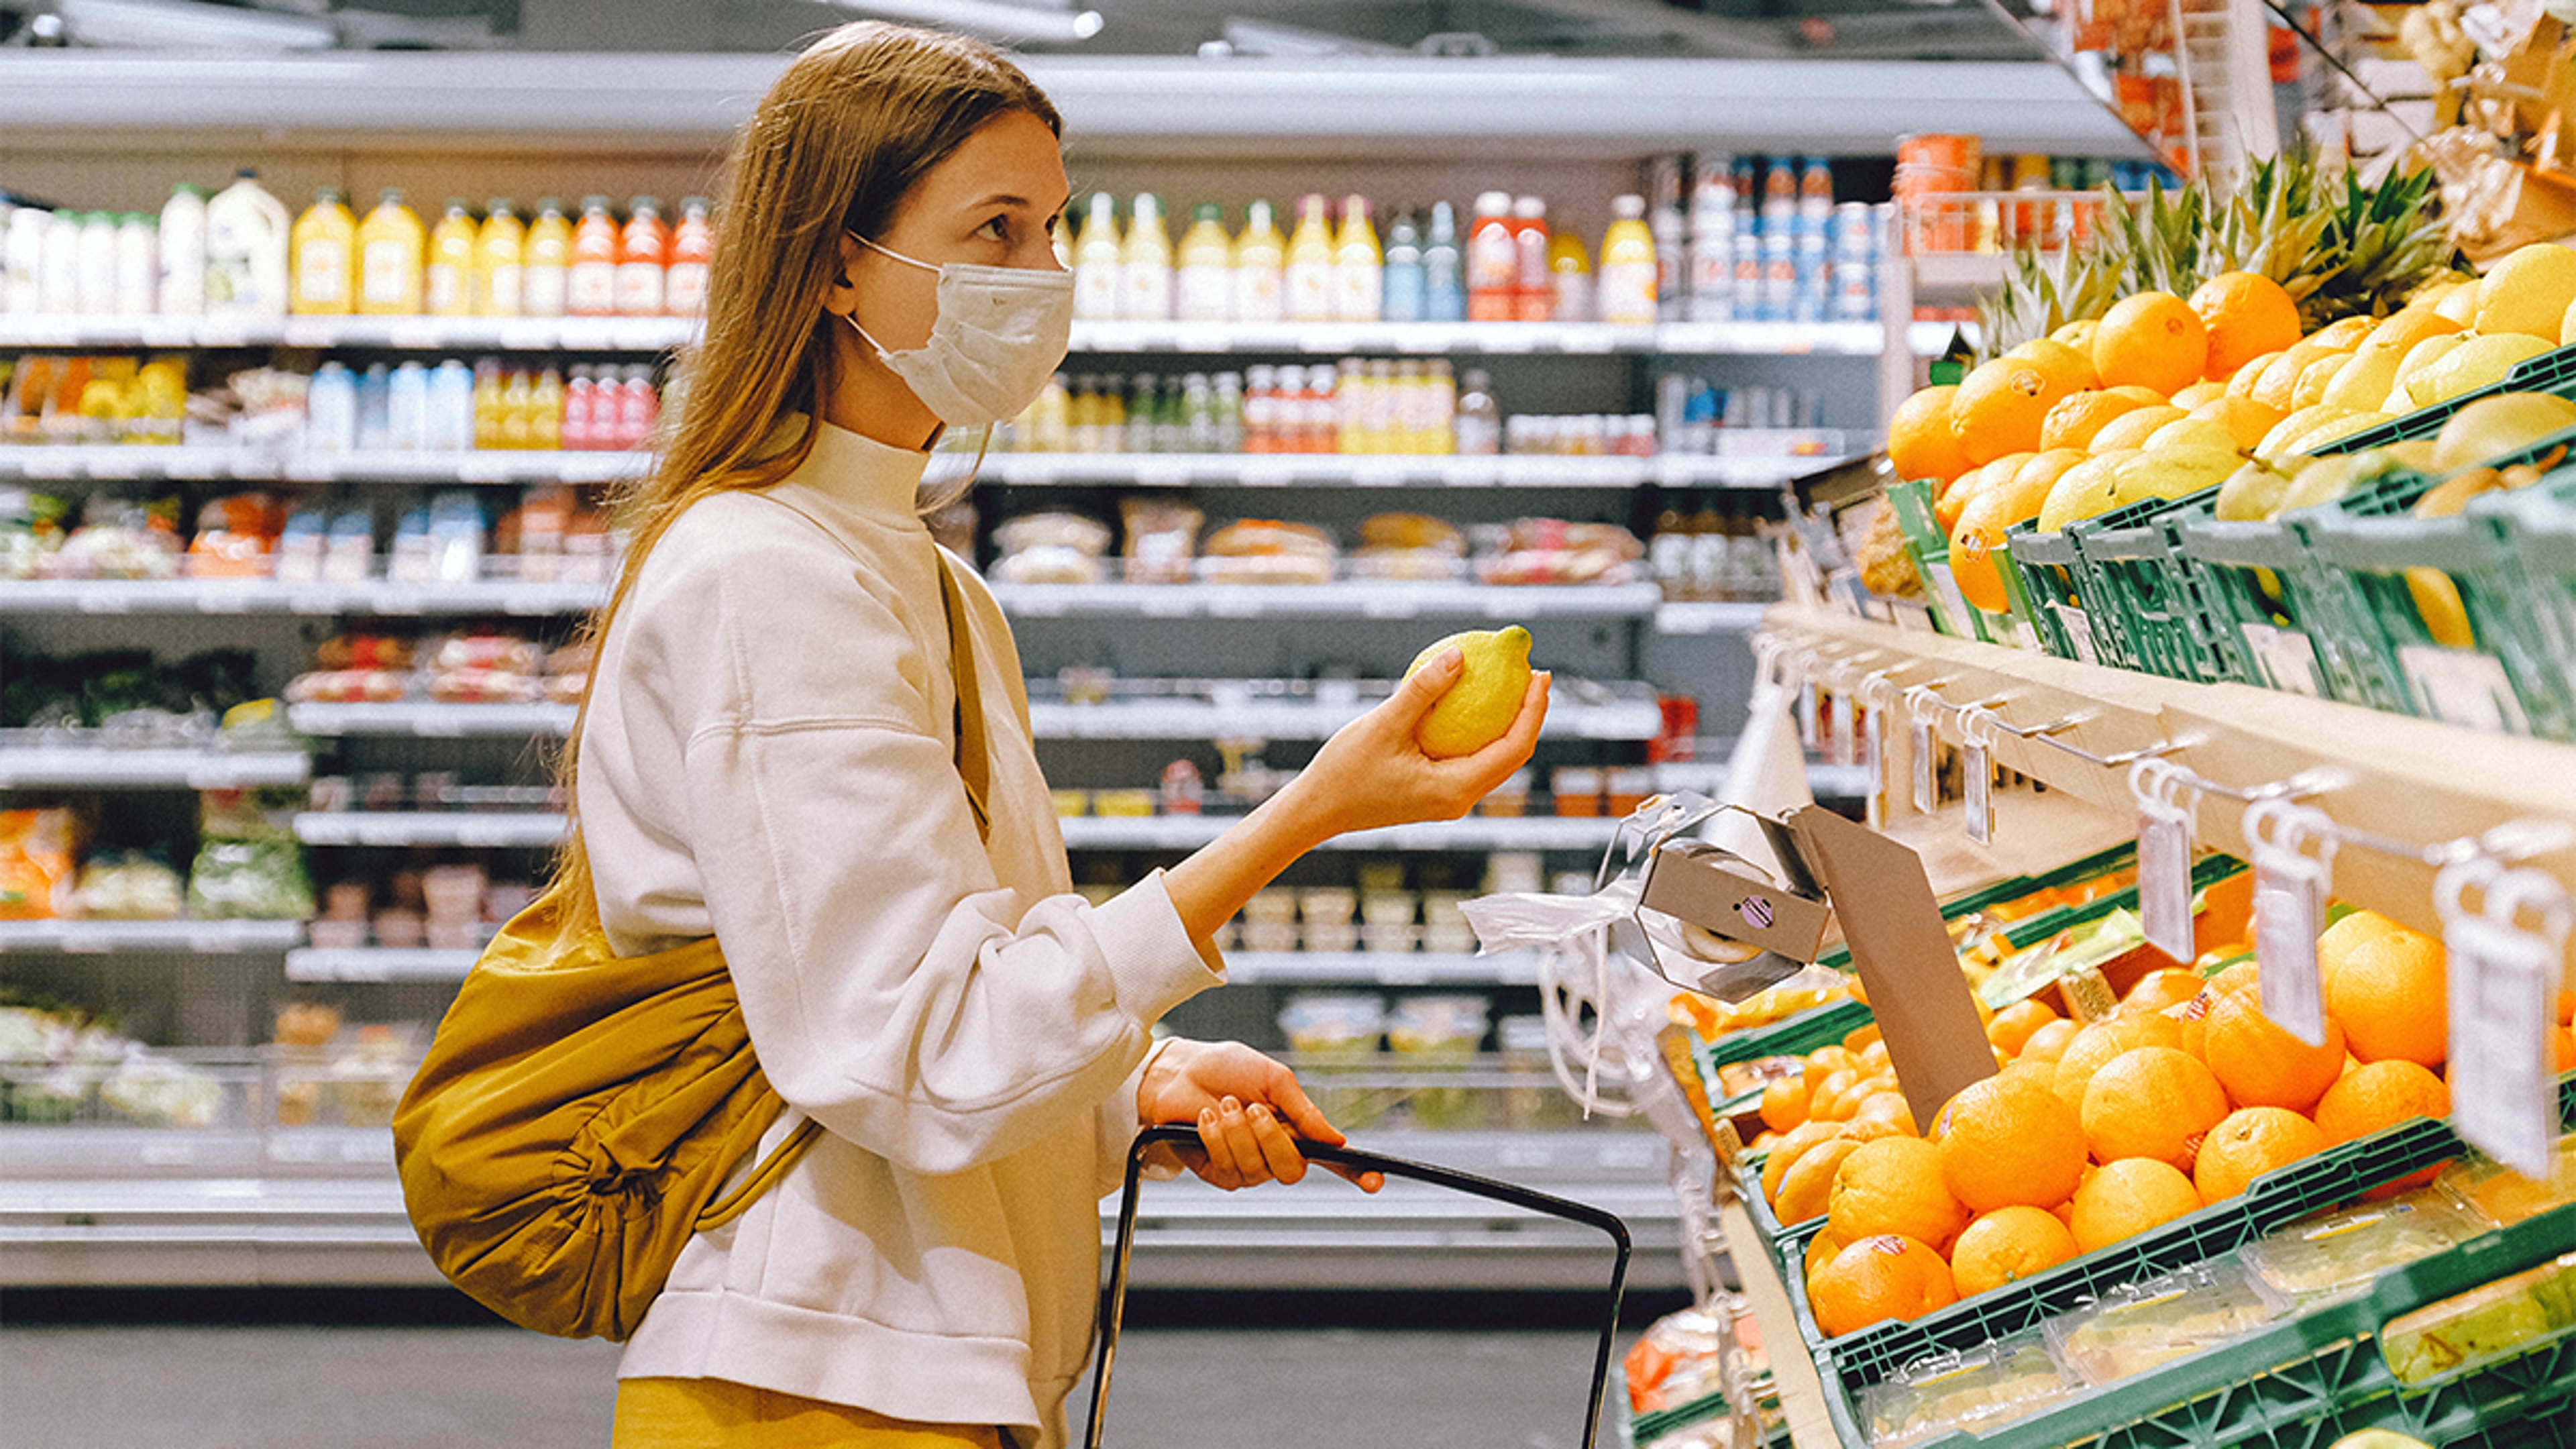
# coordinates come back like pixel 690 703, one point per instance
pixel 336 1387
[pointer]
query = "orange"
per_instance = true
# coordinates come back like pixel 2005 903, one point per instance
pixel 2103 1040
pixel 2061 360
pixel 1808 1188
pixel 2048 1044
pixel 2379 1095
pixel 1871 1053
pixel 2389 987
pixel 2249 1142
pixel 1828 1101
pixel 1889 1107
pixel 2015 1025
pixel 2563 1044
pixel 1785 1153
pixel 2151 1102
pixel 1893 1185
pixel 1976 483
pixel 2246 315
pixel 1978 532
pixel 2128 1197
pixel 2243 976
pixel 1999 407
pixel 1784 1103
pixel 2244 419
pixel 1861 1038
pixel 2076 417
pixel 2078 334
pixel 2276 387
pixel 2006 1245
pixel 2240 383
pixel 2160 988
pixel 2261 1065
pixel 1877 1278
pixel 2194 1016
pixel 2153 339
pixel 2132 429
pixel 2006 1140
pixel 1820 1250
pixel 1919 441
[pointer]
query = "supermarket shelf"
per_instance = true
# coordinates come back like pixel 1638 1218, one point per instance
pixel 1379 968
pixel 267 596
pixel 1932 339
pixel 248 465
pixel 1371 600
pixel 472 829
pixel 1958 276
pixel 430 720
pixel 2399 778
pixel 1698 617
pixel 1338 470
pixel 376 963
pixel 204 938
pixel 327 1209
pixel 1476 832
pixel 1211 718
pixel 27 764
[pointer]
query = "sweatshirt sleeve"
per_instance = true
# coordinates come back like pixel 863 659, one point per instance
pixel 894 990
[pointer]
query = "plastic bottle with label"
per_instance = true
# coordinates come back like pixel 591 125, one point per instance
pixel 391 251
pixel 518 395
pixel 1096 258
pixel 451 408
pixel 1493 261
pixel 693 250
pixel 1260 268
pixel 592 278
pixel 98 263
pixel 325 242
pixel 407 409
pixel 1533 292
pixel 245 252
pixel 1310 268
pixel 545 411
pixel 138 264
pixel 500 262
pixel 547 278
pixel 643 257
pixel 639 408
pixel 1627 281
pixel 58 264
pixel 183 252
pixel 1478 426
pixel 447 273
pixel 1145 263
pixel 1444 284
pixel 22 260
pixel 1401 296
pixel 331 410
pixel 1359 266
pixel 1569 274
pixel 1203 283
pixel 573 432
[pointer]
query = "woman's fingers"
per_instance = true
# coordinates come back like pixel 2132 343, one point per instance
pixel 1422 688
pixel 1216 1135
pixel 1279 1156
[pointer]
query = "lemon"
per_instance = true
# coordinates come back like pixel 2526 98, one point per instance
pixel 1480 707
pixel 2132 429
pixel 2347 334
pixel 2316 377
pixel 2460 303
pixel 2408 327
pixel 2479 362
pixel 2278 442
pixel 2083 490
pixel 2335 430
pixel 2200 394
pixel 2494 426
pixel 2529 291
pixel 2253 491
pixel 2200 431
pixel 2173 471
pixel 2246 420
pixel 2401 396
pixel 2364 381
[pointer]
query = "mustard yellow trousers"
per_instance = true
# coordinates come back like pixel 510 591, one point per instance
pixel 713 1414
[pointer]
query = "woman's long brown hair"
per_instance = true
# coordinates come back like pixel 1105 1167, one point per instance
pixel 835 146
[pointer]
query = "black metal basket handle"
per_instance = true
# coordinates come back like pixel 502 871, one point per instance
pixel 1359 1161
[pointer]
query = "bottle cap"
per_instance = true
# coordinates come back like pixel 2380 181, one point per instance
pixel 594 203
pixel 390 196
pixel 1628 208
pixel 496 206
pixel 1493 203
pixel 645 203
pixel 1208 211
pixel 548 203
pixel 456 204
pixel 1529 208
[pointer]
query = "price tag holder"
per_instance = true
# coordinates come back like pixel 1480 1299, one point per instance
pixel 1874 761
pixel 2291 889
pixel 1920 703
pixel 2164 858
pixel 2503 981
pixel 1978 768
pixel 1840 728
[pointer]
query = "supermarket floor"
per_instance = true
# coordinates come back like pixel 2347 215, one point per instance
pixel 1469 1373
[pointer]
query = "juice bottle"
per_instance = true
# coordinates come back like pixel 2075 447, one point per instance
pixel 391 242
pixel 1260 268
pixel 1145 264
pixel 446 280
pixel 1444 284
pixel 545 411
pixel 1359 267
pixel 1493 262
pixel 183 252
pixel 643 255
pixel 1569 272
pixel 1204 282
pixel 591 283
pixel 1533 294
pixel 1096 259
pixel 500 262
pixel 1310 267
pixel 639 407
pixel 517 397
pixel 547 277
pixel 325 253
pixel 1627 281
pixel 1401 297
pixel 98 263
pixel 487 403
pixel 138 263
pixel 246 230
pixel 693 249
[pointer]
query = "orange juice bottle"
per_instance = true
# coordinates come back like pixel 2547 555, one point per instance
pixel 500 262
pixel 545 411
pixel 446 282
pixel 548 259
pixel 391 242
pixel 1260 266
pixel 1359 266
pixel 593 281
pixel 643 254
pixel 693 248
pixel 1310 264
pixel 324 247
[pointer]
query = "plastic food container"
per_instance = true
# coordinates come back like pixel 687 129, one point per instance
pixel 2493 1321
pixel 1273 907
pixel 1324 914
pixel 2141 1325
pixel 1576 789
pixel 2341 1252
pixel 1070 803
pixel 1533 1099
pixel 1123 804
pixel 2505 1197
pixel 1444 923
pixel 1508 798
pixel 1437 1037
pixel 1336 1040
pixel 1388 908
pixel 1972 1392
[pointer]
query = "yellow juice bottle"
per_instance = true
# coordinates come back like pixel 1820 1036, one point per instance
pixel 1625 285
pixel 1145 264
pixel 1260 267
pixel 447 277
pixel 324 250
pixel 500 262
pixel 1569 272
pixel 545 411
pixel 1310 264
pixel 1203 285
pixel 1096 258
pixel 1359 266
pixel 391 248
pixel 547 277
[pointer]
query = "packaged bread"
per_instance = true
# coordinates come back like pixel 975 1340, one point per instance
pixel 1268 551
pixel 1557 551
pixel 1051 548
pixel 1162 537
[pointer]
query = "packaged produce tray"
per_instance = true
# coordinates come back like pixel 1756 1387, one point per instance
pixel 2271 1388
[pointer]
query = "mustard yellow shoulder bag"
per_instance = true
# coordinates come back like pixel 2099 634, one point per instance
pixel 580 1113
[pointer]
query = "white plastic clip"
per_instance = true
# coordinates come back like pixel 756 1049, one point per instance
pixel 2504 978
pixel 2164 856
pixel 2291 888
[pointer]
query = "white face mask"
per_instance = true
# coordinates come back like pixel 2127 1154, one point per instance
pixel 1000 334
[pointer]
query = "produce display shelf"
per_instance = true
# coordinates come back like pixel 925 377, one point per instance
pixel 1361 470
pixel 1475 832
pixel 215 463
pixel 204 938
pixel 1569 717
pixel 267 596
pixel 430 720
pixel 1350 599
pixel 395 828
pixel 27 763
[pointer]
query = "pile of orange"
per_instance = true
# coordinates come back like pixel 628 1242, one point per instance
pixel 2091 1133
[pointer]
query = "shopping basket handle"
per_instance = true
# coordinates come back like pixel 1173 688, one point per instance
pixel 1181 1135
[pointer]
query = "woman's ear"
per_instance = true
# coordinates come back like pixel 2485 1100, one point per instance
pixel 844 294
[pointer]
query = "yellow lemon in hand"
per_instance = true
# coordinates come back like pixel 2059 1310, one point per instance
pixel 1480 707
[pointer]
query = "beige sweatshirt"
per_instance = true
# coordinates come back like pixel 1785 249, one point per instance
pixel 768 759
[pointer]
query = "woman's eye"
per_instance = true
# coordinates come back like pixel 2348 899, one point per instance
pixel 999 229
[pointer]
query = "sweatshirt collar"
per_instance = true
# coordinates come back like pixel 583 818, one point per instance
pixel 864 475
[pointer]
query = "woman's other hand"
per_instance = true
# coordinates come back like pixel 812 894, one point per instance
pixel 1372 772
pixel 1248 1109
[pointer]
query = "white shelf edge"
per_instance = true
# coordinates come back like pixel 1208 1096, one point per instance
pixel 467 829
pixel 1204 719
pixel 431 720
pixel 1476 832
pixel 212 938
pixel 1335 600
pixel 215 462
pixel 99 768
pixel 377 963
pixel 1706 616
pixel 1381 968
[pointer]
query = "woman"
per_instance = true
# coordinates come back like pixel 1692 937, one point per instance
pixel 775 752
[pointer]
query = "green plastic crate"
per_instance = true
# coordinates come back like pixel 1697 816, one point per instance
pixel 2043 566
pixel 2539 524
pixel 2549 372
pixel 1929 547
pixel 2131 570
